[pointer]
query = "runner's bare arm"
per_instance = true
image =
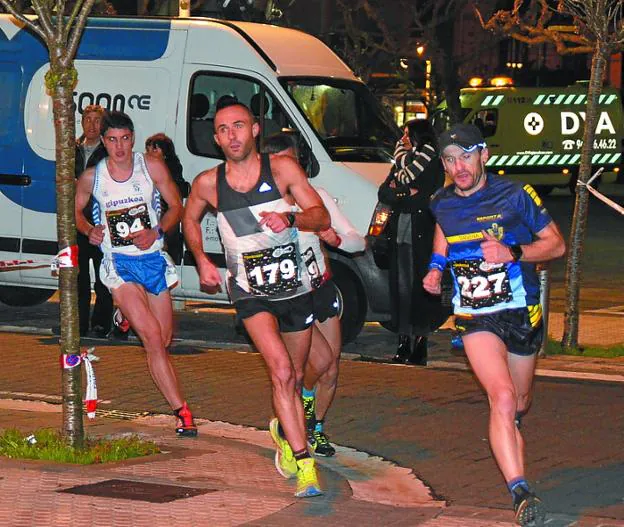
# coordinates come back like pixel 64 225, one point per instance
pixel 202 197
pixel 84 186
pixel 432 282
pixel 548 246
pixel 291 177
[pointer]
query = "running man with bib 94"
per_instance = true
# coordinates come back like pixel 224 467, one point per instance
pixel 127 225
pixel 492 232
pixel 253 197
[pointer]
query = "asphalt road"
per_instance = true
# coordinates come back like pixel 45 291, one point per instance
pixel 603 252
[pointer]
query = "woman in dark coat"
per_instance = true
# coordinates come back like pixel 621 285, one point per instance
pixel 417 174
pixel 162 146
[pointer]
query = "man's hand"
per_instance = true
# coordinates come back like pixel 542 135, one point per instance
pixel 432 282
pixel 276 221
pixel 494 251
pixel 96 234
pixel 144 238
pixel 209 277
pixel 330 237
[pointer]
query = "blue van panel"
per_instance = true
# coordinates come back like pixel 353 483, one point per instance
pixel 104 39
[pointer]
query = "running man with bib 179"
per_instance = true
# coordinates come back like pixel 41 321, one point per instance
pixel 253 198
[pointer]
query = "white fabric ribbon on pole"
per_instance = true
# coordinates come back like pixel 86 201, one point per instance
pixel 86 357
pixel 598 194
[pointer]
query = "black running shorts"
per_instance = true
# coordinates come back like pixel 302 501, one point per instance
pixel 325 300
pixel 292 314
pixel 520 329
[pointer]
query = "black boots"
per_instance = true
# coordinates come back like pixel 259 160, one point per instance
pixel 406 355
pixel 418 356
pixel 403 351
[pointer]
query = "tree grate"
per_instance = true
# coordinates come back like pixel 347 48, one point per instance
pixel 137 491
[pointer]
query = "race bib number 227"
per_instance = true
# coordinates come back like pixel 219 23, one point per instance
pixel 482 284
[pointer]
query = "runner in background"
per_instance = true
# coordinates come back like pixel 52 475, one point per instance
pixel 321 373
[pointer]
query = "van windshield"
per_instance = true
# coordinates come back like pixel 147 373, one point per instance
pixel 349 121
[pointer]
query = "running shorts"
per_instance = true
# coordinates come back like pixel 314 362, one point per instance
pixel 292 314
pixel 520 329
pixel 155 271
pixel 325 300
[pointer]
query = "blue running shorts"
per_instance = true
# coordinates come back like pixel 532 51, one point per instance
pixel 154 271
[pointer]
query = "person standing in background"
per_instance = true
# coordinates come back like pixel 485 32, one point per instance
pixel 89 151
pixel 416 176
pixel 162 146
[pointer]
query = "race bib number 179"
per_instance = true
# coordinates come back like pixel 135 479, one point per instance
pixel 272 271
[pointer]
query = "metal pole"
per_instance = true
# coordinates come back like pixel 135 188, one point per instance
pixel 544 280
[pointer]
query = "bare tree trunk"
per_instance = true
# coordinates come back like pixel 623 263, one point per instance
pixel 579 219
pixel 65 133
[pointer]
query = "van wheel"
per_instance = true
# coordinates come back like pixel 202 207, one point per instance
pixel 24 296
pixel 352 302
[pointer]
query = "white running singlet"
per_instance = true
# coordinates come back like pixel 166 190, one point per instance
pixel 125 207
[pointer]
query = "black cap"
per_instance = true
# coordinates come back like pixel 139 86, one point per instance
pixel 466 136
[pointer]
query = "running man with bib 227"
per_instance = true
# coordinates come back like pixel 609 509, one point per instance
pixel 492 232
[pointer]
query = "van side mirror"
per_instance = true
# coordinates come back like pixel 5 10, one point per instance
pixel 307 159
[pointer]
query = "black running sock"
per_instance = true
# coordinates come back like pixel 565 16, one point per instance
pixel 280 430
pixel 177 412
pixel 301 454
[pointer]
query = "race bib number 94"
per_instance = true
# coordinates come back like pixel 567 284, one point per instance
pixel 482 284
pixel 123 222
pixel 272 271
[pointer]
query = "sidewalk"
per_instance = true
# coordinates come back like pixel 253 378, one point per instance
pixel 431 421
pixel 224 477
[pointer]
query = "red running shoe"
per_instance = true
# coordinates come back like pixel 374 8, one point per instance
pixel 185 426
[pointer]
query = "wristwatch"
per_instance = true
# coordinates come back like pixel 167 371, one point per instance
pixel 290 218
pixel 516 252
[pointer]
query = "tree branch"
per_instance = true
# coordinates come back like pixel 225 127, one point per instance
pixel 77 30
pixel 44 19
pixel 72 18
pixel 23 19
pixel 60 19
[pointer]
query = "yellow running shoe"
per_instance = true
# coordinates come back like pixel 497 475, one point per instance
pixel 307 479
pixel 284 460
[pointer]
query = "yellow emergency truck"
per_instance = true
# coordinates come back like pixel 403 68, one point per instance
pixel 535 135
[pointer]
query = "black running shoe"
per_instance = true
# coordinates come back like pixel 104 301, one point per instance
pixel 528 508
pixel 320 444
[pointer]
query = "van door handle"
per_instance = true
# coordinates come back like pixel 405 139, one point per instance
pixel 494 145
pixel 17 181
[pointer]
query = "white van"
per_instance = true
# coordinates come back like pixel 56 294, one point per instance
pixel 167 74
